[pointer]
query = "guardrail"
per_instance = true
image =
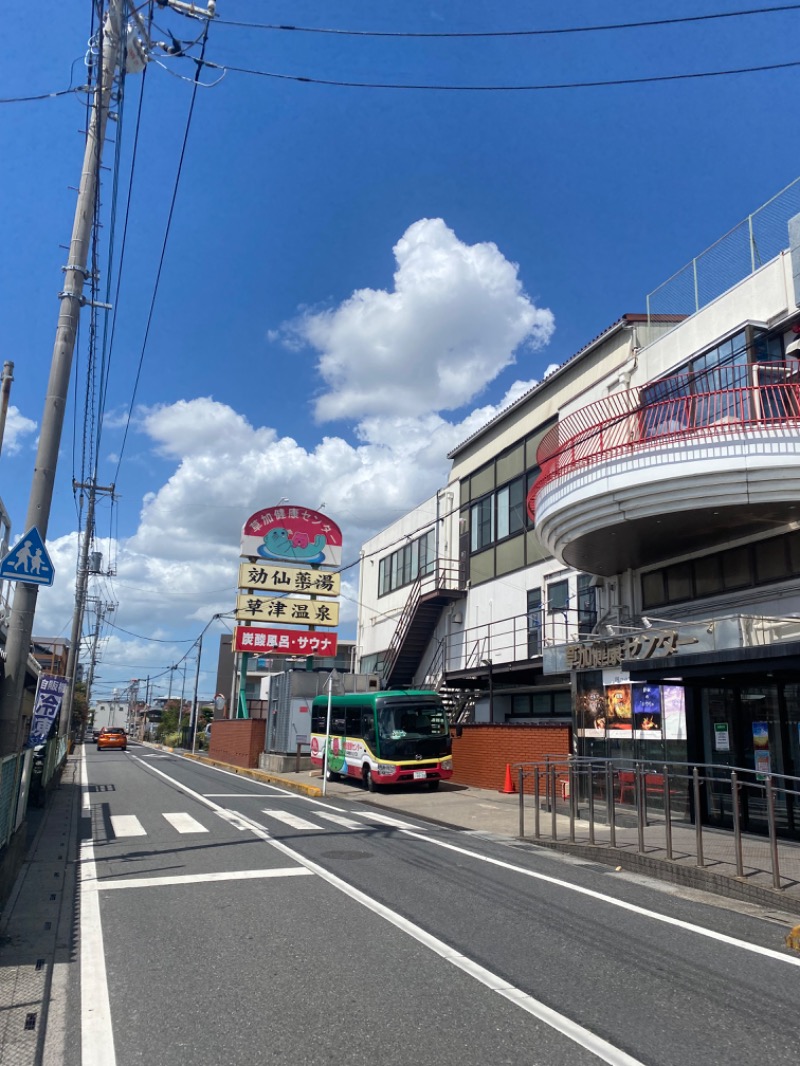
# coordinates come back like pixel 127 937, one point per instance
pixel 655 798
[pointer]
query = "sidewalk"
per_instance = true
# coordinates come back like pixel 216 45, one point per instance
pixel 498 814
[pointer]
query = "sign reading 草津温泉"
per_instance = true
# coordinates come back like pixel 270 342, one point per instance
pixel 290 578
pixel 284 641
pixel 292 535
pixel 289 609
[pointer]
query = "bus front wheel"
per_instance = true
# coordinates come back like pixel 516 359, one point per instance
pixel 330 775
pixel 369 783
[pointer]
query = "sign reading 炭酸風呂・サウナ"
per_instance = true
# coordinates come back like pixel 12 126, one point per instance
pixel 284 641
pixel 292 535
pixel 289 579
pixel 46 707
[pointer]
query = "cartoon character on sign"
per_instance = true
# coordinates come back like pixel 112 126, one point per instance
pixel 335 754
pixel 281 543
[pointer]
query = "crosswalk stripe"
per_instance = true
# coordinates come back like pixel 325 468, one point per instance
pixel 346 823
pixel 184 823
pixel 293 820
pixel 394 822
pixel 127 825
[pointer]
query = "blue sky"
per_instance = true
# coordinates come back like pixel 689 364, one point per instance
pixel 355 278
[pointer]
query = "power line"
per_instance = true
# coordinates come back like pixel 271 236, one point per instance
pixel 653 79
pixel 41 96
pixel 199 63
pixel 556 31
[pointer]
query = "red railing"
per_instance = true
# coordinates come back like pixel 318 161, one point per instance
pixel 761 395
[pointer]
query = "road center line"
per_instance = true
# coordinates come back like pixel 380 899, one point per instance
pixel 602 1049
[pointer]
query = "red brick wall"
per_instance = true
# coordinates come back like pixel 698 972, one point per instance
pixel 238 741
pixel 481 753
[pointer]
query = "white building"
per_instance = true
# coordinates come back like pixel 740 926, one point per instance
pixel 650 589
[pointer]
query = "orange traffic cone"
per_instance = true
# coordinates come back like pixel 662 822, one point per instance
pixel 508 787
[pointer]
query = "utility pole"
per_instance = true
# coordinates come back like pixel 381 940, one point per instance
pixel 20 626
pixel 5 391
pixel 81 583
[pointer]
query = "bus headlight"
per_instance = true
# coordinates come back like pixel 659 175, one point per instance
pixel 385 769
pixel 446 764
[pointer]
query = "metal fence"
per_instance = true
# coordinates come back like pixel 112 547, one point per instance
pixel 643 805
pixel 745 248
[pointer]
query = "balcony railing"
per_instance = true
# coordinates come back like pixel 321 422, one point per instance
pixel 764 398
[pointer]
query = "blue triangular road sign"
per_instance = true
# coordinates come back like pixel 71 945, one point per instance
pixel 28 561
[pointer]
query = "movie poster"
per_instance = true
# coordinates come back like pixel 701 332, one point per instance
pixel 591 708
pixel 647 712
pixel 620 712
pixel 673 701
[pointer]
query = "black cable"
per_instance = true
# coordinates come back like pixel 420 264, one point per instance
pixel 199 62
pixel 505 88
pixel 558 31
pixel 40 96
pixel 154 640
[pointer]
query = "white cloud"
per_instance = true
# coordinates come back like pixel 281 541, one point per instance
pixel 453 322
pixel 17 428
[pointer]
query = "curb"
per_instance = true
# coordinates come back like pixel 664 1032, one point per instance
pixel 687 876
pixel 255 775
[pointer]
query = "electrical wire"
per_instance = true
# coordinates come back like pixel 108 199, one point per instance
pixel 163 254
pixel 41 96
pixel 557 31
pixel 544 87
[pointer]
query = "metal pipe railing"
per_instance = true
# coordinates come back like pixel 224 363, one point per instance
pixel 690 793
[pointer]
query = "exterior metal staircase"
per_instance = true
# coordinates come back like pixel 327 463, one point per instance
pixel 428 597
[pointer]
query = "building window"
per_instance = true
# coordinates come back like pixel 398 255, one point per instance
pixel 534 622
pixel 557 596
pixel 587 604
pixel 405 565
pixel 482 523
pixel 761 563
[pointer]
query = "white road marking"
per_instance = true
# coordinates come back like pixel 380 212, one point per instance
pixel 127 825
pixel 338 819
pixel 198 879
pixel 394 822
pixel 689 927
pixel 294 820
pixel 184 823
pixel 583 1037
pixel 97 1033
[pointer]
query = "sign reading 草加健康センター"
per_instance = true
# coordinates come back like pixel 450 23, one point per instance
pixel 292 535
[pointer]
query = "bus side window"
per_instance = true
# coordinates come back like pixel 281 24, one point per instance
pixel 368 728
pixel 338 722
pixel 353 715
pixel 319 719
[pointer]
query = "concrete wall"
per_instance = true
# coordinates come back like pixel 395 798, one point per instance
pixel 482 752
pixel 238 741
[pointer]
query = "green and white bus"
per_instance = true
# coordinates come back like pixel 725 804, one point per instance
pixel 383 738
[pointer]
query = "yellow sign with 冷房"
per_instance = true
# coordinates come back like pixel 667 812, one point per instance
pixel 291 610
pixel 281 577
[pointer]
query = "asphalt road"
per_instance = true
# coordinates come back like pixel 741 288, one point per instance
pixel 223 921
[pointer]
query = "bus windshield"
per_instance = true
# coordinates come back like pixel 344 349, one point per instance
pixel 407 728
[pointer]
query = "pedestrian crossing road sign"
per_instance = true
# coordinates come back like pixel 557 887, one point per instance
pixel 28 561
